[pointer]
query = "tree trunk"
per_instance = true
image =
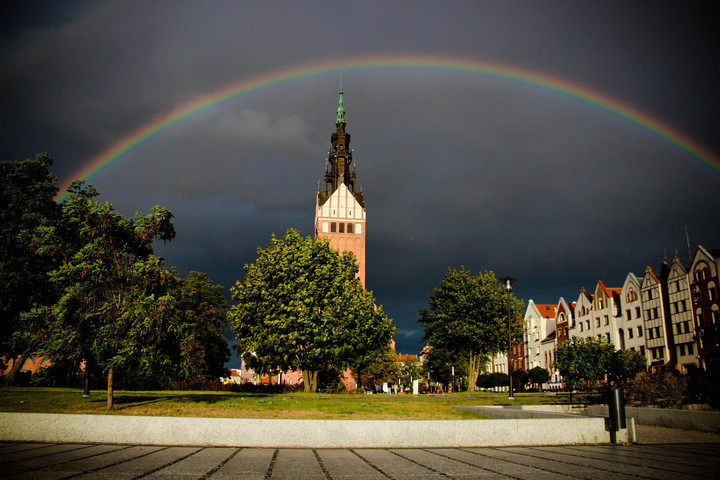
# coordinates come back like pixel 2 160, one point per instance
pixel 309 381
pixel 473 371
pixel 110 404
pixel 306 381
pixel 86 379
pixel 17 365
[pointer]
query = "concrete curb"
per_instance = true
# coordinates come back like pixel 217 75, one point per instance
pixel 237 432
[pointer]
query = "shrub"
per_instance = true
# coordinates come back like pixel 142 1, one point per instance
pixel 665 390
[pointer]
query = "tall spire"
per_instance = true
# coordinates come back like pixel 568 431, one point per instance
pixel 341 108
pixel 339 169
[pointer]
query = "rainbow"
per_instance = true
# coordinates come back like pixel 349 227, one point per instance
pixel 395 62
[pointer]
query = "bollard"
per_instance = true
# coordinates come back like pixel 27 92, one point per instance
pixel 616 409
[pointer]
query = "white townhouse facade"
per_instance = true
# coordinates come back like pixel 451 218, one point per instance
pixel 682 323
pixel 605 311
pixel 630 322
pixel 584 315
pixel 539 322
pixel 657 340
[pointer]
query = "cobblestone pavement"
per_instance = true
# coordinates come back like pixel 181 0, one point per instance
pixel 656 461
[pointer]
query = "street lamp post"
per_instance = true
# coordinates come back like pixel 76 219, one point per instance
pixel 508 281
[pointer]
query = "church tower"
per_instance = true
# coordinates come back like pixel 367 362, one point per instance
pixel 340 209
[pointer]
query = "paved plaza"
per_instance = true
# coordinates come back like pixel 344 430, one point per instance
pixel 90 461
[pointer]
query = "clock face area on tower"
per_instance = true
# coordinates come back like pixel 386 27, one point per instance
pixel 339 209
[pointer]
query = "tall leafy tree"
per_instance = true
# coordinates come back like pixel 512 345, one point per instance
pixel 583 360
pixel 200 316
pixel 115 311
pixel 302 307
pixel 27 205
pixel 468 314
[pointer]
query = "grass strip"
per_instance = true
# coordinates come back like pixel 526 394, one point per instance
pixel 259 405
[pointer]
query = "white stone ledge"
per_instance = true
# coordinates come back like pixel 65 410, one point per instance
pixel 239 432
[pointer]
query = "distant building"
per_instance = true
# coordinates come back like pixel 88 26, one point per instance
pixel 539 322
pixel 672 318
pixel 606 306
pixel 565 328
pixel 704 276
pixel 584 314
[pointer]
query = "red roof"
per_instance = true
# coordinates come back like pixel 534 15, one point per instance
pixel 547 310
pixel 404 356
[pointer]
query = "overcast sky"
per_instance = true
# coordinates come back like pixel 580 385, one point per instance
pixel 457 169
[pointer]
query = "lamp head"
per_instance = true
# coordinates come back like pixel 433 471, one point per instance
pixel 507 282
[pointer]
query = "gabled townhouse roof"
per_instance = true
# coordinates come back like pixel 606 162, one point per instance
pixel 547 310
pixel 713 253
pixel 610 292
pixel 649 270
pixel 588 296
pixel 570 306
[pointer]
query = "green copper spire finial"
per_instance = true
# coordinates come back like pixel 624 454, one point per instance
pixel 341 108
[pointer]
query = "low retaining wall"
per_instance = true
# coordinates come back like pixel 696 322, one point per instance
pixel 41 427
pixel 668 417
pixel 526 411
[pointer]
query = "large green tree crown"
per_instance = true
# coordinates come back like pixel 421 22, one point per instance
pixel 467 316
pixel 82 287
pixel 469 312
pixel 27 208
pixel 301 306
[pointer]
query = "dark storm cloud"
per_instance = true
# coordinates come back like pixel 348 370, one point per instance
pixel 456 169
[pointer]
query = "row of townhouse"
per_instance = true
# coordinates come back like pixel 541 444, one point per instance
pixel 672 318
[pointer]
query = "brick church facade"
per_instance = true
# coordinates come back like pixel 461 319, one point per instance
pixel 339 207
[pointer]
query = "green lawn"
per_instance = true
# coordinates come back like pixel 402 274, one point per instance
pixel 253 405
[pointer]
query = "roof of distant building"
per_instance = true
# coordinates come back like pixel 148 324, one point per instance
pixel 406 356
